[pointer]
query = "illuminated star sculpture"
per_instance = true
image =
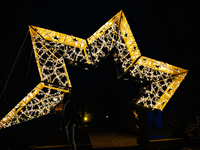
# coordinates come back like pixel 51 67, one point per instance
pixel 52 49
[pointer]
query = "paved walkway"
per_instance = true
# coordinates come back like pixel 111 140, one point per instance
pixel 109 137
pixel 102 137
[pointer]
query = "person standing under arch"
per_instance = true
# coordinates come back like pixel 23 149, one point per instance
pixel 69 114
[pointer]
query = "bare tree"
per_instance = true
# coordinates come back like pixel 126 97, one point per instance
pixel 173 27
pixel 174 24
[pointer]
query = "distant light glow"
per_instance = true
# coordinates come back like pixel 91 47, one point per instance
pixel 85 118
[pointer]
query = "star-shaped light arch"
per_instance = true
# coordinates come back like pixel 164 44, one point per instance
pixel 52 48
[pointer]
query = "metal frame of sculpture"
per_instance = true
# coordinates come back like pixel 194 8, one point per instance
pixel 52 49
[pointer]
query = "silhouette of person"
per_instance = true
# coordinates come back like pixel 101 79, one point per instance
pixel 69 113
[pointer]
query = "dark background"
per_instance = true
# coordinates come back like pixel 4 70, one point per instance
pixel 164 30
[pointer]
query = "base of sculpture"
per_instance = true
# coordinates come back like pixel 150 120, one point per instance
pixel 42 133
pixel 161 143
pixel 153 130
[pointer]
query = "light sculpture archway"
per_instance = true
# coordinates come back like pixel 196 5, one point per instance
pixel 51 48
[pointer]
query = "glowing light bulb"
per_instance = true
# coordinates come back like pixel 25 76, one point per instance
pixel 85 118
pixel 55 98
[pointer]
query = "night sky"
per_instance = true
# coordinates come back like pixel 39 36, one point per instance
pixel 164 30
